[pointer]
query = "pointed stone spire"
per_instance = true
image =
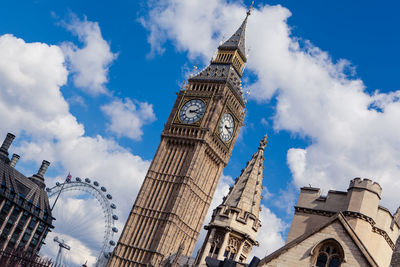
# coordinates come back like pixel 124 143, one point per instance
pixel 229 62
pixel 235 223
pixel 246 192
pixel 238 39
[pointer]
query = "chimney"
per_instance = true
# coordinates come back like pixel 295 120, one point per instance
pixel 38 178
pixel 43 168
pixel 14 160
pixel 6 144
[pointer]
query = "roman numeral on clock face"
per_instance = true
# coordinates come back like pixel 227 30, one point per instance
pixel 192 111
pixel 226 127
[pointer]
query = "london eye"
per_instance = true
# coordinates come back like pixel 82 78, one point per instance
pixel 95 191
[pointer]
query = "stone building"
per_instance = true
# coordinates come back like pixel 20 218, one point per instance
pixel 195 146
pixel 25 215
pixel 235 223
pixel 340 229
pixel 396 253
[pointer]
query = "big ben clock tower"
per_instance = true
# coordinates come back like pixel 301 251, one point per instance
pixel 195 146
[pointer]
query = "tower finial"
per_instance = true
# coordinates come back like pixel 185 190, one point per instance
pixel 250 8
pixel 263 142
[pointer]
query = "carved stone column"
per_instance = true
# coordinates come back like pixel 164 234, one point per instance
pixel 239 251
pixel 207 246
pixel 223 246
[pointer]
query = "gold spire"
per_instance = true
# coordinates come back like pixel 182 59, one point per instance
pixel 250 9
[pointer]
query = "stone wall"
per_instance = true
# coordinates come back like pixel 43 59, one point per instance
pixel 376 227
pixel 300 254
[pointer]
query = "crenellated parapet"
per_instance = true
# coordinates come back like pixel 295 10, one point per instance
pixel 366 184
pixel 376 226
pixel 239 219
pixel 361 193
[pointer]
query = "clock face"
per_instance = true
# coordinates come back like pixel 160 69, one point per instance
pixel 192 111
pixel 226 127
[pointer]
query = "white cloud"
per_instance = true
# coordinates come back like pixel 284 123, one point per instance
pixel 34 109
pixel 285 199
pixel 264 122
pixel 30 97
pixel 270 234
pixel 351 132
pixel 127 117
pixel 197 30
pixel 90 63
pixel 77 100
pixel 84 235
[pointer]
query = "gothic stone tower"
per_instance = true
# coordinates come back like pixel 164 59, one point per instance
pixel 195 146
pixel 235 223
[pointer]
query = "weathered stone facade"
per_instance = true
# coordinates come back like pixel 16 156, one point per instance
pixel 301 253
pixel 195 146
pixel 235 223
pixel 365 231
pixel 396 255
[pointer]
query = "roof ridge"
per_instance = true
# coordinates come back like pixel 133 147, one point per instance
pixel 238 39
pixel 343 221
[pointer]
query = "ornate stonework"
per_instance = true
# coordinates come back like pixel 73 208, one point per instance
pixel 366 231
pixel 195 146
pixel 237 218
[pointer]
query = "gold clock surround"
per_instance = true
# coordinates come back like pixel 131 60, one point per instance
pixel 185 100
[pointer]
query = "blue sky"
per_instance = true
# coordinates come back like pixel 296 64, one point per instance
pixel 106 79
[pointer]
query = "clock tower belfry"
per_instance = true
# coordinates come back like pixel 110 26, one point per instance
pixel 195 146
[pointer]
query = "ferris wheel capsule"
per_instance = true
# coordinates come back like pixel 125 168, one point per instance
pixel 115 229
pixel 112 243
pixel 113 206
pixel 57 184
pixel 115 217
pixel 78 179
pixel 109 196
pixel 96 183
pixel 103 189
pixel 87 180
pixel 48 189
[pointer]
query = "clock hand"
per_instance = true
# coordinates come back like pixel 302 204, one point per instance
pixel 229 129
pixel 196 110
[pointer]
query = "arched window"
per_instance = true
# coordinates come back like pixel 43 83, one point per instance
pixel 214 249
pixel 215 246
pixel 328 253
pixel 232 248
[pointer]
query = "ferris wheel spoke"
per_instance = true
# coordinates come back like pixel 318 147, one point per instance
pixel 84 190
